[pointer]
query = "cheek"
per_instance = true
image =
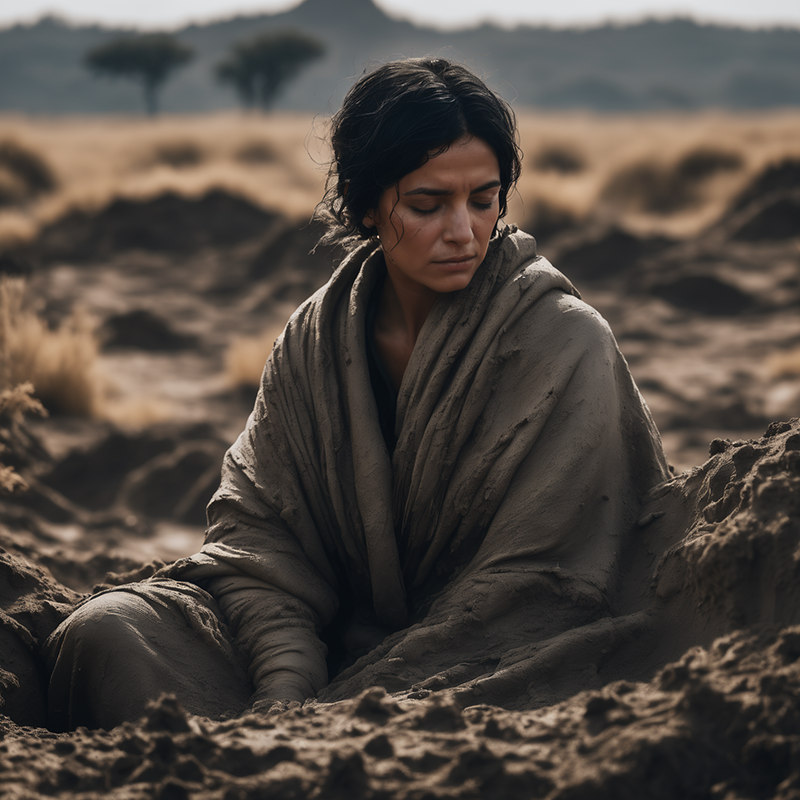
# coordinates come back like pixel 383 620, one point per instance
pixel 487 226
pixel 417 234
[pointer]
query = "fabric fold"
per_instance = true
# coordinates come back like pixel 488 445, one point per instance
pixel 523 451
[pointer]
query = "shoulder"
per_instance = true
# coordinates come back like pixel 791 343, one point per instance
pixel 512 260
pixel 574 308
pixel 558 316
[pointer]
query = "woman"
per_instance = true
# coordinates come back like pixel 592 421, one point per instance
pixel 442 470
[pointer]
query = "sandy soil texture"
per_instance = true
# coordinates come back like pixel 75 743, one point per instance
pixel 178 285
pixel 718 723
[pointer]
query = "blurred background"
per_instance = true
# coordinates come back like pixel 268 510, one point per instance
pixel 160 164
pixel 626 55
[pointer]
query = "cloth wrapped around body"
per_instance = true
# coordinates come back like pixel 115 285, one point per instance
pixel 485 553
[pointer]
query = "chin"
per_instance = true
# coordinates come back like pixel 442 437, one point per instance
pixel 453 283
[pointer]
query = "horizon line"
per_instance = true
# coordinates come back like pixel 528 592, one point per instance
pixel 619 21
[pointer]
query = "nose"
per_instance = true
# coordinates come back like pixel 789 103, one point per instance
pixel 458 227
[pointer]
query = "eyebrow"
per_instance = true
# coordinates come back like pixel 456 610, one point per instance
pixel 444 192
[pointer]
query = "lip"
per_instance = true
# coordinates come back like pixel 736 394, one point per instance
pixel 456 263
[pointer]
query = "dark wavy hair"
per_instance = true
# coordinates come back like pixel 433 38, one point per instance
pixel 393 120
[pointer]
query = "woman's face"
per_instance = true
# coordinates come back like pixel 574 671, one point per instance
pixel 436 222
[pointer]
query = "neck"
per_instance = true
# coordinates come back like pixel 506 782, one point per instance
pixel 404 305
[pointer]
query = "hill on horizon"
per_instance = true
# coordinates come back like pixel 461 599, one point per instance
pixel 676 64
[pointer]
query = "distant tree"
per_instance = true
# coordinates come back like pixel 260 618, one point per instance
pixel 259 68
pixel 147 58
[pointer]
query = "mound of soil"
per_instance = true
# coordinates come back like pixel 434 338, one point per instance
pixel 705 294
pixel 141 329
pixel 780 177
pixel 602 252
pixel 176 485
pixel 546 220
pixel 774 218
pixel 733 564
pixel 32 605
pixel 168 223
pixel 767 209
pixel 169 475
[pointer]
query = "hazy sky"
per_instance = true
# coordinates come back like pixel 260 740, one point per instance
pixel 444 13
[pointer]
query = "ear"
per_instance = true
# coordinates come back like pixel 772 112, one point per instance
pixel 370 219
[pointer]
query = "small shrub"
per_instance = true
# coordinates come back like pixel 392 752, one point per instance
pixel 24 174
pixel 256 152
pixel 559 158
pixel 19 400
pixel 61 364
pixel 178 154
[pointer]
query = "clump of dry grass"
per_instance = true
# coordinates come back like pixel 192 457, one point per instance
pixel 24 173
pixel 246 356
pixel 60 364
pixel 14 403
pixel 784 365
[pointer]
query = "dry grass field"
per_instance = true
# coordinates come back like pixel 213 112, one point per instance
pixel 270 160
pixel 672 173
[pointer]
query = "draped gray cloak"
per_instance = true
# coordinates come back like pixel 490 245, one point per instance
pixel 485 555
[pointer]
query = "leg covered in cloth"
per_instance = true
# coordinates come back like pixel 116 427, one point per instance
pixel 125 647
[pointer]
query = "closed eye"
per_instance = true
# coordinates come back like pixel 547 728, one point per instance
pixel 484 202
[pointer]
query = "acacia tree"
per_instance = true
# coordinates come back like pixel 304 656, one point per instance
pixel 147 58
pixel 259 68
